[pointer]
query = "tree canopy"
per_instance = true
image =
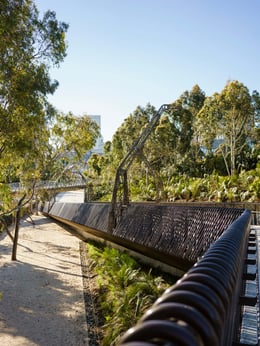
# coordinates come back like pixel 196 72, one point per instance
pixel 228 116
pixel 200 135
pixel 29 46
pixel 36 141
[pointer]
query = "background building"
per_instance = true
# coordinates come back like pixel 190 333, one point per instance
pixel 98 148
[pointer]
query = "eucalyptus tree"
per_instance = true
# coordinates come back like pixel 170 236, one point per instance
pixel 124 139
pixel 29 47
pixel 166 146
pixel 182 148
pixel 228 116
pixel 130 130
pixel 170 139
pixel 71 137
pixel 256 121
pixel 193 100
pixel 158 154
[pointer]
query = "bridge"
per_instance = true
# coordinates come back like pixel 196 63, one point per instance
pixel 50 185
pixel 214 250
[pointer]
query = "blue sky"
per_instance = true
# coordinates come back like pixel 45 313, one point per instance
pixel 125 53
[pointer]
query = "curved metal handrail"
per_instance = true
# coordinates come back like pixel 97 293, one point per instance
pixel 202 308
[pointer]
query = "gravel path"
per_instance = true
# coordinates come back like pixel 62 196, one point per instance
pixel 42 292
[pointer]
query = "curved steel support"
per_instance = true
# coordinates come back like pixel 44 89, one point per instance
pixel 117 204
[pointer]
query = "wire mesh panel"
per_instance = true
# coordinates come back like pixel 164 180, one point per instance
pixel 185 232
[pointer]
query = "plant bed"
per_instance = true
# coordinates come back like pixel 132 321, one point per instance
pixel 121 290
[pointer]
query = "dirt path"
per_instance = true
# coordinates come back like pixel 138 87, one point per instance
pixel 42 293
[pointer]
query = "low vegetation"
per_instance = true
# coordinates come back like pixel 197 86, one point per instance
pixel 126 289
pixel 244 187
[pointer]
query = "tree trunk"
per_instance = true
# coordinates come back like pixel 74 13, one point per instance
pixel 225 160
pixel 7 229
pixel 232 152
pixel 16 228
pixel 160 193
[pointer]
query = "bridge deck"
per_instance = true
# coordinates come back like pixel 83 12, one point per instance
pixel 250 320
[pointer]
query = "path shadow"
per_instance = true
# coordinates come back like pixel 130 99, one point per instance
pixel 38 305
pixel 41 220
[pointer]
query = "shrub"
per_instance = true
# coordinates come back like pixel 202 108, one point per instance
pixel 127 290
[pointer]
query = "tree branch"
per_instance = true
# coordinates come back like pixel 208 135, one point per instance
pixel 22 205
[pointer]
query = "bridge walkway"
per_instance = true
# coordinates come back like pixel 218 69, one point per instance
pixel 250 320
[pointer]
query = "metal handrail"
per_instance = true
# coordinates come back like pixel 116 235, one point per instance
pixel 202 308
pixel 48 184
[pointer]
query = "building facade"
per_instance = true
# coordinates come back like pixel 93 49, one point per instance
pixel 98 148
